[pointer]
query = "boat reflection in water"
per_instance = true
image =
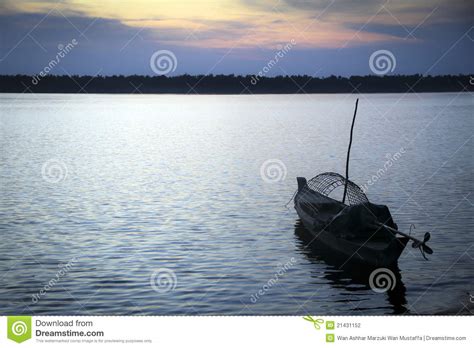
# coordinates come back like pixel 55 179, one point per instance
pixel 348 275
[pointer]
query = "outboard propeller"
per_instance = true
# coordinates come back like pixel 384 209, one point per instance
pixel 422 245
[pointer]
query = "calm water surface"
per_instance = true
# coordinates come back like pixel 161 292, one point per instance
pixel 148 183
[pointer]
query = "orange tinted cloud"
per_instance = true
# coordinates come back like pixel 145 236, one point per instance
pixel 253 23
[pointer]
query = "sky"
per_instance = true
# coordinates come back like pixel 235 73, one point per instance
pixel 270 37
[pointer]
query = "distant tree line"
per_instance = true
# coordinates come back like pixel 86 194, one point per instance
pixel 234 84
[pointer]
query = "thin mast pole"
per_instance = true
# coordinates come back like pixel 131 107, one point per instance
pixel 349 152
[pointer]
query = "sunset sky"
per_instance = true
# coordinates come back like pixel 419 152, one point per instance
pixel 240 36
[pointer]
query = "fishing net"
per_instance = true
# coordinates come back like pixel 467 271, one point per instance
pixel 356 219
pixel 326 183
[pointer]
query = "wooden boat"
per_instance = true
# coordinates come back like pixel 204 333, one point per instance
pixel 359 231
pixel 356 233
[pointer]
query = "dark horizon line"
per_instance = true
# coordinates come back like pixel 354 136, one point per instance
pixel 236 75
pixel 234 84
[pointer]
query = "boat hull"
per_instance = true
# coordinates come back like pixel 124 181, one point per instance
pixel 373 253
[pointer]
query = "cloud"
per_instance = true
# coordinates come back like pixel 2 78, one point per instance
pixel 255 23
pixel 373 13
pixel 28 41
